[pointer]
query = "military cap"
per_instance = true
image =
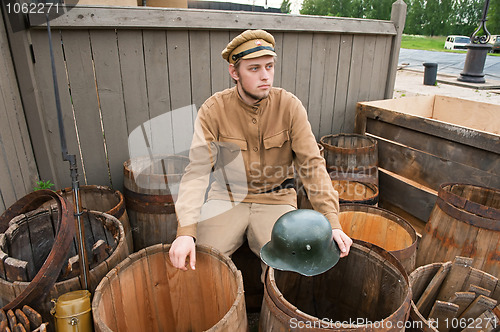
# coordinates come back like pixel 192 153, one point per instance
pixel 248 45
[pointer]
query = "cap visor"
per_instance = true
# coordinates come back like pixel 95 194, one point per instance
pixel 258 54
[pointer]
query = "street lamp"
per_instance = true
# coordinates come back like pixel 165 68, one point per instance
pixel 477 50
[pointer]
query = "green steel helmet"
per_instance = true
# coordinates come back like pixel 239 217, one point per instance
pixel 301 241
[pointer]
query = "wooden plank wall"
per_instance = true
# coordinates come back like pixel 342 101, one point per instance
pixel 131 79
pixel 18 173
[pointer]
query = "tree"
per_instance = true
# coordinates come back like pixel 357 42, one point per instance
pixel 415 17
pixel 285 6
pixel 493 24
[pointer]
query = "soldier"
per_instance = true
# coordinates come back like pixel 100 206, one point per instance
pixel 251 138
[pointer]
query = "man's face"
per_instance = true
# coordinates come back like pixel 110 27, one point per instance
pixel 254 78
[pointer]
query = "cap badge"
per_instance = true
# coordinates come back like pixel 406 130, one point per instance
pixel 258 42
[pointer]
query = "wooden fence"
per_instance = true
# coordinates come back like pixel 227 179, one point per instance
pixel 131 80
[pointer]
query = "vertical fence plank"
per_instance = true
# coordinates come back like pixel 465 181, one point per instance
pixel 330 85
pixel 159 128
pixel 180 89
pixel 344 67
pixel 367 68
pixel 382 53
pixel 43 72
pixel 21 157
pixel 109 87
pixel 199 44
pixel 219 67
pixel 289 60
pixel 11 179
pixel 278 47
pixel 85 105
pixel 304 60
pixel 130 50
pixel 355 83
pixel 318 74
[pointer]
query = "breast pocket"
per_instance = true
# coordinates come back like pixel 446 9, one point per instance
pixel 278 151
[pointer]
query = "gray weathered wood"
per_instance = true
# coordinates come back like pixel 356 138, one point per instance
pixel 330 82
pixel 341 91
pixel 19 177
pixel 453 151
pixel 416 201
pixel 398 16
pixel 305 58
pixel 43 72
pixel 149 62
pixel 124 18
pixel 428 169
pixel 81 80
pixel 109 86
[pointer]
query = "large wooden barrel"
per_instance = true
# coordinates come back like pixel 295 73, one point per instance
pixel 147 293
pixel 465 221
pixel 367 290
pixel 447 296
pixel 103 199
pixel 383 228
pixel 150 188
pixel 28 240
pixel 351 157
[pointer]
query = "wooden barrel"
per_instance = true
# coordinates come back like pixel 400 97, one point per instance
pixel 368 289
pixel 356 192
pixel 28 240
pixel 447 296
pixel 351 157
pixel 150 188
pixel 103 199
pixel 383 228
pixel 147 293
pixel 465 221
pixel 350 192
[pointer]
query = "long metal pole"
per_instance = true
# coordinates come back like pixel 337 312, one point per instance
pixel 82 255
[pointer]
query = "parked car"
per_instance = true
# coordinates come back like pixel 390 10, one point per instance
pixel 496 44
pixel 456 42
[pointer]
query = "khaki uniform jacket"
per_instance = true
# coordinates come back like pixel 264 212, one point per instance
pixel 251 149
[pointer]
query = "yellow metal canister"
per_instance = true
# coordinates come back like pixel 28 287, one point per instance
pixel 72 312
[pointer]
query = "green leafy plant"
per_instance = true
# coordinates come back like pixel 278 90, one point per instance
pixel 43 185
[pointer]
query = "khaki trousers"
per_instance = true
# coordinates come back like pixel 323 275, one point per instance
pixel 224 226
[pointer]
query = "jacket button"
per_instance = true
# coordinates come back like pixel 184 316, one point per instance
pixel 254 120
pixel 256 149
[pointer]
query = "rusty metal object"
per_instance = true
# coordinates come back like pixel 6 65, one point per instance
pixel 48 273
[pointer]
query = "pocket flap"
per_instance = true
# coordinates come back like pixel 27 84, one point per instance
pixel 233 144
pixel 276 140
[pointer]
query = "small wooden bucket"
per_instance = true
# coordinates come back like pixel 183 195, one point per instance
pixel 465 222
pixel 382 228
pixel 103 199
pixel 351 157
pixel 350 192
pixel 367 289
pixel 147 293
pixel 453 296
pixel 356 192
pixel 150 188
pixel 28 240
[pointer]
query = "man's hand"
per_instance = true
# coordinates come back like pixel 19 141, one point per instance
pixel 343 241
pixel 182 247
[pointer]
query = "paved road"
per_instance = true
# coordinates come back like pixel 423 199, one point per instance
pixel 448 63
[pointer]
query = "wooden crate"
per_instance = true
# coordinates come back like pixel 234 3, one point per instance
pixel 428 140
pixel 167 3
